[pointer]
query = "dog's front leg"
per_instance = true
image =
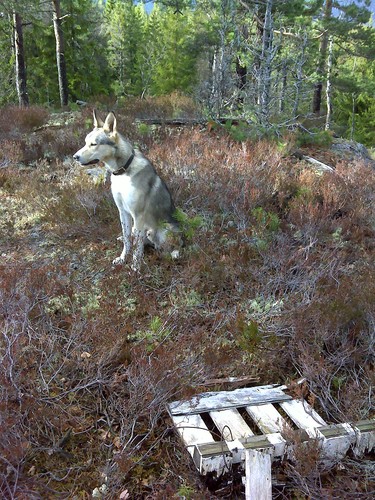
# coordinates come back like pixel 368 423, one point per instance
pixel 139 239
pixel 126 225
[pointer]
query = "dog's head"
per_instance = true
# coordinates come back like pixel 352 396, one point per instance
pixel 100 143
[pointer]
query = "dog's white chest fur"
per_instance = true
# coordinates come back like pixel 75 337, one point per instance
pixel 124 193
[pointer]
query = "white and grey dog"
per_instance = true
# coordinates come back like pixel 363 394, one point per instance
pixel 146 208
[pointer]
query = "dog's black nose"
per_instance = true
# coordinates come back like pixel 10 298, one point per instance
pixel 76 157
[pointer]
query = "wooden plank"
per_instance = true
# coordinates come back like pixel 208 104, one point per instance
pixel 211 401
pixel 218 455
pixel 338 439
pixel 302 414
pixel 211 448
pixel 365 437
pixel 254 442
pixel 332 431
pixel 365 425
pixel 237 450
pixel 212 457
pixel 267 418
pixel 192 430
pixel 279 444
pixel 258 483
pixel 231 425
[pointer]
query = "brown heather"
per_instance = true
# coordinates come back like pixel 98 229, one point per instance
pixel 277 283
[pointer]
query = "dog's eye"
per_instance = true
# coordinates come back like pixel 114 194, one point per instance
pixel 93 144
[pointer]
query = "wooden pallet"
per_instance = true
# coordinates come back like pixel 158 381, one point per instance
pixel 256 425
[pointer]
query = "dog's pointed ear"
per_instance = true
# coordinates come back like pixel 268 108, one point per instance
pixel 98 123
pixel 110 124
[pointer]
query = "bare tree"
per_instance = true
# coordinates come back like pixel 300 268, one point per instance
pixel 317 99
pixel 60 53
pixel 299 73
pixel 266 65
pixel 21 85
pixel 329 84
pixel 222 84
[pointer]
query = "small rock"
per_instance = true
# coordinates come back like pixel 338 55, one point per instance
pixel 96 493
pixel 350 149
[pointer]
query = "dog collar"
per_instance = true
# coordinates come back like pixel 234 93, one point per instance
pixel 123 169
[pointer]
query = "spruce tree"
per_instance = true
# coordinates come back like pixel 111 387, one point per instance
pixel 175 67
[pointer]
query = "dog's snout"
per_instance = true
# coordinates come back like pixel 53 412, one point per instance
pixel 76 157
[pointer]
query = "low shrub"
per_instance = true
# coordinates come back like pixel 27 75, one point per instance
pixel 15 120
pixel 315 137
pixel 275 282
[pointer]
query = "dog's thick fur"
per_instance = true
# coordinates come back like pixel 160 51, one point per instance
pixel 144 202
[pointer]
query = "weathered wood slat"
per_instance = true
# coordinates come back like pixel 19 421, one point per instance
pixel 237 450
pixel 211 401
pixel 267 418
pixel 275 442
pixel 302 414
pixel 279 444
pixel 365 425
pixel 231 424
pixel 192 430
pixel 337 440
pixel 255 442
pixel 334 430
pixel 212 457
pixel 258 482
pixel 365 433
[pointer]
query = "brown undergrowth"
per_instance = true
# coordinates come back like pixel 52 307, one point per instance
pixel 277 282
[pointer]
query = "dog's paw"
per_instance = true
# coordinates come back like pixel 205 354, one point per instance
pixel 135 267
pixel 118 261
pixel 175 254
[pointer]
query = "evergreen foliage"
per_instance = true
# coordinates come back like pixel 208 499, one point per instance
pixel 261 62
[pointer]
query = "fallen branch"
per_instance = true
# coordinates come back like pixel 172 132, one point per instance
pixel 318 164
pixel 186 121
pixel 233 382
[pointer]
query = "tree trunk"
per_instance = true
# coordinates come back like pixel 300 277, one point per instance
pixel 241 69
pixel 299 74
pixel 284 83
pixel 21 86
pixel 60 56
pixel 317 98
pixel 266 66
pixel 352 122
pixel 329 84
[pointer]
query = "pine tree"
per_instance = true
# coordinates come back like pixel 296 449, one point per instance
pixel 15 17
pixel 7 62
pixel 86 43
pixel 87 67
pixel 175 64
pixel 348 23
pixel 151 52
pixel 124 27
pixel 353 98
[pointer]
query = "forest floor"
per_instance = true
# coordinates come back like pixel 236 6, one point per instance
pixel 277 282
